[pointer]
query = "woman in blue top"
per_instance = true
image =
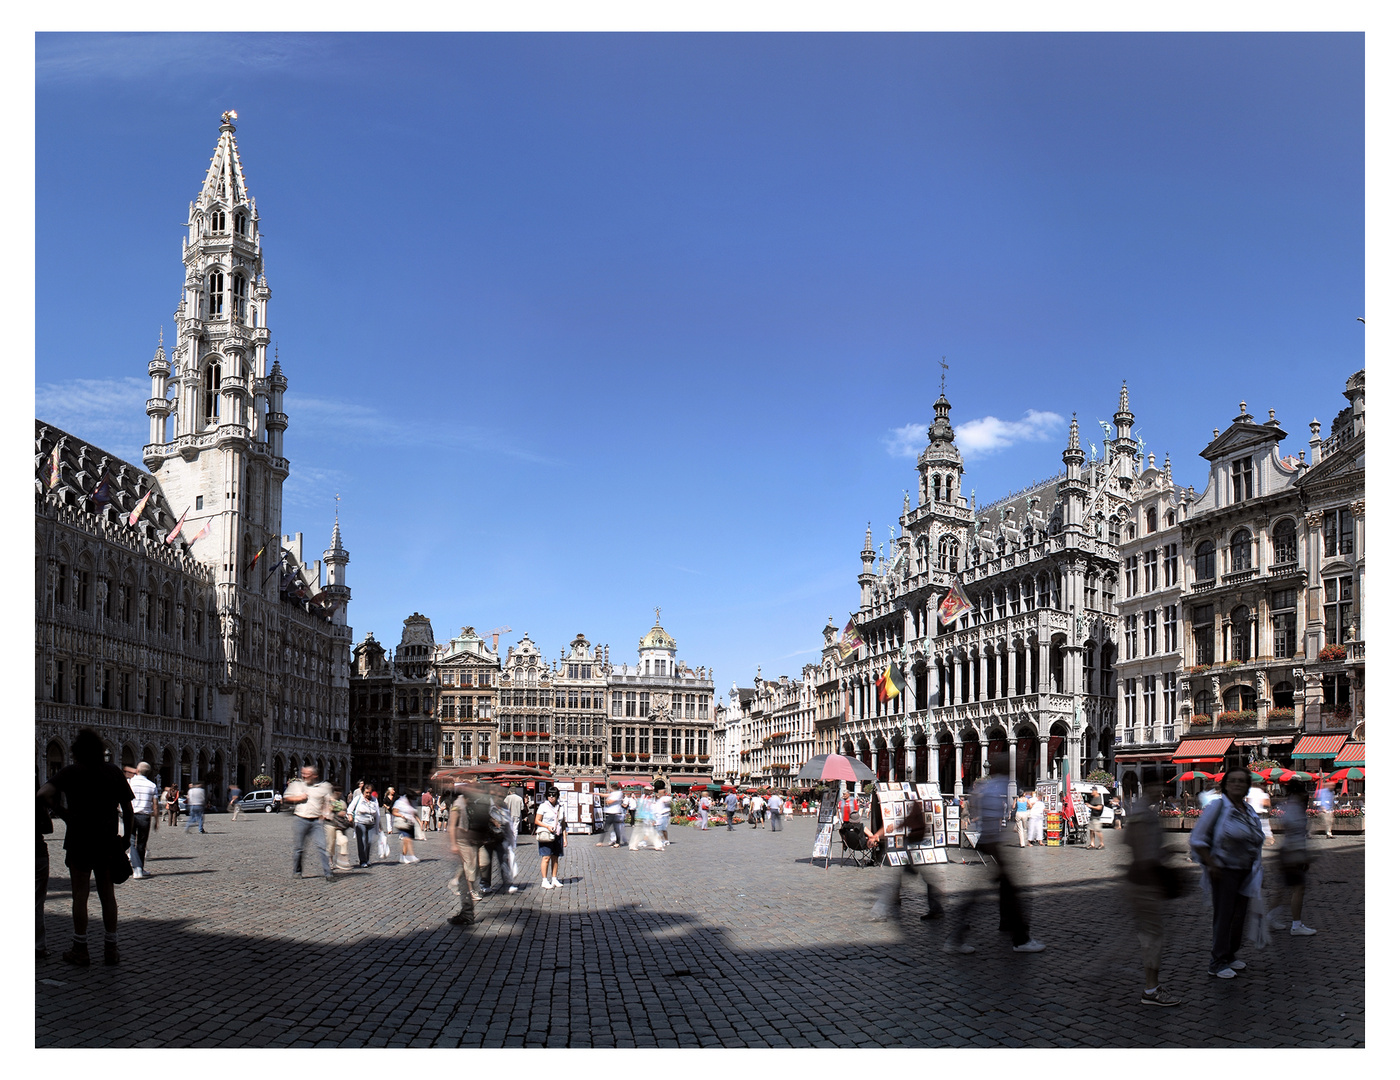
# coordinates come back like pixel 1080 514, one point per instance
pixel 1023 817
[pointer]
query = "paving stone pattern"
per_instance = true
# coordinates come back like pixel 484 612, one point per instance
pixel 723 939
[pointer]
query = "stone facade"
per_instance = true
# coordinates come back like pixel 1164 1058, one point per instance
pixel 526 714
pixel 468 673
pixel 245 650
pixel 580 711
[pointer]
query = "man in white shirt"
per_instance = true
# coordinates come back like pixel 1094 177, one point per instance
pixel 312 802
pixel 775 811
pixel 515 806
pixel 194 798
pixel 143 807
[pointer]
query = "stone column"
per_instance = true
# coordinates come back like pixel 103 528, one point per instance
pixel 957 763
pixel 1043 683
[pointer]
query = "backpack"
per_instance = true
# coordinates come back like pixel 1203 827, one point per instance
pixel 479 814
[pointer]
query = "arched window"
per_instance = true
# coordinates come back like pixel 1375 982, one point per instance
pixel 1205 561
pixel 211 393
pixel 1283 695
pixel 1239 633
pixel 953 552
pixel 1151 519
pixel 216 292
pixel 1238 699
pixel 240 224
pixel 943 553
pixel 1171 518
pixel 240 296
pixel 937 488
pixel 1114 531
pixel 1285 542
pixel 217 222
pixel 1239 550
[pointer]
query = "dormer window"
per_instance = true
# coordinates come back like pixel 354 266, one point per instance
pixel 1241 480
pixel 217 222
pixel 216 292
pixel 1151 520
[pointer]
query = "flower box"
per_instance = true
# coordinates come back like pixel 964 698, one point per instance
pixel 1277 715
pixel 643 757
pixel 1238 716
pixel 1200 720
pixel 1200 669
pixel 704 757
pixel 1330 653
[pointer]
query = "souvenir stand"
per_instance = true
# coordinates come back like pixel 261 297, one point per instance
pixel 576 797
pixel 895 800
pixel 826 824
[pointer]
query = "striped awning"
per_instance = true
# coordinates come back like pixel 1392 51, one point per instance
pixel 1208 749
pixel 1353 753
pixel 1318 746
pixel 1139 757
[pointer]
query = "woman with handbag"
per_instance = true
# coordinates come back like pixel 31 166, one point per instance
pixel 1229 842
pixel 364 812
pixel 549 834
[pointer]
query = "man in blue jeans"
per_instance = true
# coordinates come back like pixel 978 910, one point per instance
pixel 312 801
pixel 195 798
pixel 731 805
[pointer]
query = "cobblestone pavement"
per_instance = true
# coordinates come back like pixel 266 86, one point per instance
pixel 723 939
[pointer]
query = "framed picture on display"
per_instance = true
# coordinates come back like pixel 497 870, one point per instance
pixel 940 855
pixel 940 838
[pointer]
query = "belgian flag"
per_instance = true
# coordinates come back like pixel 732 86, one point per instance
pixel 891 684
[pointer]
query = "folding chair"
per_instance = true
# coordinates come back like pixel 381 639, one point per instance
pixel 854 841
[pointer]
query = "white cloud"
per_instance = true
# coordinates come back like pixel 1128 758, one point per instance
pixel 906 441
pixel 981 437
pixel 109 413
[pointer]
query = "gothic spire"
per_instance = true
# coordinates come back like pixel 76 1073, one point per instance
pixel 224 182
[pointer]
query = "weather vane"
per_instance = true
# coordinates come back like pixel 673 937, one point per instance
pixel 337 506
pixel 943 378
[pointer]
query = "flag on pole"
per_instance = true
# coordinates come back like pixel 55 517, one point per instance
pixel 173 533
pixel 849 643
pixel 101 494
pixel 891 684
pixel 257 557
pixel 135 515
pixel 202 532
pixel 53 468
pixel 953 604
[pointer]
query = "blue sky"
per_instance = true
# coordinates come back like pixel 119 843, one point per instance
pixel 579 326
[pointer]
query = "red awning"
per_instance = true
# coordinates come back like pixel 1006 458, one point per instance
pixel 1142 756
pixel 1353 753
pixel 1209 749
pixel 1318 746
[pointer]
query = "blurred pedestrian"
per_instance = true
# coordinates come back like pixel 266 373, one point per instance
pixel 1229 841
pixel 515 810
pixel 385 829
pixel 704 811
pixel 144 814
pixel 988 813
pixel 235 794
pixel 1150 881
pixel 311 799
pixel 170 804
pixel 494 844
pixel 337 835
pixel 1326 807
pixel 194 799
pixel 1023 818
pixel 1293 853
pixel 552 840
pixel 731 807
pixel 631 804
pixel 661 812
pixel 93 792
pixel 888 896
pixel 404 816
pixel 467 826
pixel 1037 827
pixel 364 812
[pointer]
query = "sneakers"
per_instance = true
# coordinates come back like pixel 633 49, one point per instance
pixel 1158 998
pixel 1238 965
pixel 1030 946
pixel 403 859
pixel 1299 930
pixel 461 919
pixel 544 884
pixel 477 898
pixel 109 954
pixel 958 947
pixel 141 874
pixel 513 889
pixel 1225 973
pixel 413 858
pixel 879 913
pixel 556 883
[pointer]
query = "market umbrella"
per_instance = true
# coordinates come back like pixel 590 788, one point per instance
pixel 1192 775
pixel 835 767
pixel 1354 773
pixel 1283 775
pixel 699 787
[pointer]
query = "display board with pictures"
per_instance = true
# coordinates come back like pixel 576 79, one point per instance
pixel 896 801
pixel 952 823
pixel 821 847
pixel 578 806
pixel 827 811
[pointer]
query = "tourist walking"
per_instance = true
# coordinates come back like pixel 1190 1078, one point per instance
pixel 311 800
pixel 731 807
pixel 494 845
pixel 988 812
pixel 661 811
pixel 775 812
pixel 644 834
pixel 235 795
pixel 704 812
pixel 1229 842
pixel 631 804
pixel 364 812
pixel 94 792
pixel 887 896
pixel 1326 807
pixel 194 798
pixel 1023 818
pixel 144 795
pixel 404 816
pixel 551 837
pixel 425 813
pixel 1037 827
pixel 1293 853
pixel 1150 882
pixel 1259 802
pixel 467 826
pixel 515 811
pixel 612 816
pixel 337 835
pixel 1094 801
pixel 385 828
pixel 170 804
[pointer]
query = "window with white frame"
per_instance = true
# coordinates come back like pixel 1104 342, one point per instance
pixel 1336 608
